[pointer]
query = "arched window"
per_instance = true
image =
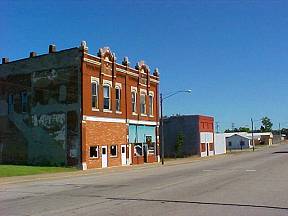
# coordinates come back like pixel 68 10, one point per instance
pixel 94 93
pixel 118 98
pixel 143 103
pixel 106 96
pixel 151 104
pixel 133 93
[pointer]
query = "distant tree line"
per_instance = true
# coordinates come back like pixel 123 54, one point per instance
pixel 265 127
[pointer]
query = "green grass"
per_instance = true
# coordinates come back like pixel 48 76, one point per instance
pixel 19 170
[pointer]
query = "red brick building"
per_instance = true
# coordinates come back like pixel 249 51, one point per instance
pixel 116 98
pixel 70 107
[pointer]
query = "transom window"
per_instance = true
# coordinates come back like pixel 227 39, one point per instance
pixel 143 103
pixel 106 95
pixel 118 95
pixel 95 95
pixel 134 101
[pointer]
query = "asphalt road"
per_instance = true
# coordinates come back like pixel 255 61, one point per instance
pixel 238 184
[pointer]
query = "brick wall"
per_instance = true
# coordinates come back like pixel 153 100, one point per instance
pixel 100 134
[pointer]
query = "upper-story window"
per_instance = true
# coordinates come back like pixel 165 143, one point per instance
pixel 106 95
pixel 134 93
pixel 24 101
pixel 150 104
pixel 118 97
pixel 10 103
pixel 95 94
pixel 143 103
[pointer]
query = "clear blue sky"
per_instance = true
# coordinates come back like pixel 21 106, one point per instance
pixel 234 56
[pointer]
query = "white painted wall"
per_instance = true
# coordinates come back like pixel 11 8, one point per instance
pixel 206 137
pixel 220 143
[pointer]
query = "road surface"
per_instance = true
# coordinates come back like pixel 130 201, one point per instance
pixel 250 183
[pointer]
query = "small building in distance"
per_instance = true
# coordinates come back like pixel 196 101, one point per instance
pixel 266 138
pixel 196 131
pixel 238 141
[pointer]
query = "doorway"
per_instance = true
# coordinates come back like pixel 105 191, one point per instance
pixel 123 155
pixel 104 156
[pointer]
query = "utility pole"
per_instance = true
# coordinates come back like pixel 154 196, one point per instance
pixel 233 126
pixel 217 127
pixel 252 135
pixel 162 129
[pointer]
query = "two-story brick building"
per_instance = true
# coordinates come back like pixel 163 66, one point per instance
pixel 74 108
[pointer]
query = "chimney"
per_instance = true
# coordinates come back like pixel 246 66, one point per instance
pixel 33 54
pixel 52 48
pixel 5 60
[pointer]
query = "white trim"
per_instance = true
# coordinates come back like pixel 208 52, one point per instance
pixel 119 85
pixel 107 75
pixel 132 74
pixel 131 121
pixel 121 70
pixel 91 61
pixel 94 79
pixel 107 82
pixel 153 80
pixel 84 166
pixel 118 112
pixel 107 110
pixel 118 120
pixel 95 109
pixel 103 119
pixel 95 56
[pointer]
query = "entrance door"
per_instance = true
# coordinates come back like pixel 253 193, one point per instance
pixel 123 155
pixel 145 152
pixel 104 156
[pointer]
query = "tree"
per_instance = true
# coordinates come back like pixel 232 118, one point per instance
pixel 240 129
pixel 266 124
pixel 179 144
pixel 244 129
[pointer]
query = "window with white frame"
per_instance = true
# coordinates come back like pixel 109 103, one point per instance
pixel 118 96
pixel 143 103
pixel 94 91
pixel 151 105
pixel 94 151
pixel 134 101
pixel 24 101
pixel 106 95
pixel 113 150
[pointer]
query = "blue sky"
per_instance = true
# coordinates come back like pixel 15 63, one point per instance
pixel 232 54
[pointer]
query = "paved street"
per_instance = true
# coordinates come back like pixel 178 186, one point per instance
pixel 236 184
